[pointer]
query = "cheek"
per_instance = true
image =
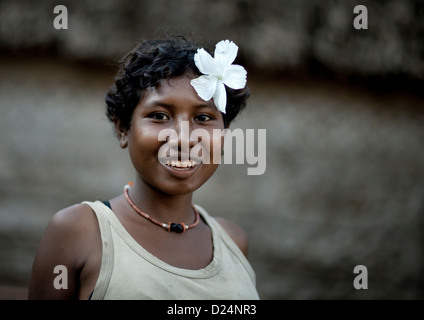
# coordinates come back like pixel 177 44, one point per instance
pixel 143 142
pixel 217 146
pixel 209 148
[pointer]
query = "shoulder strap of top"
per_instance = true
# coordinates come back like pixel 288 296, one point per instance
pixel 107 204
pixel 102 212
pixel 220 231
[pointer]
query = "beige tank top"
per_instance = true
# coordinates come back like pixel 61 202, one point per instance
pixel 128 271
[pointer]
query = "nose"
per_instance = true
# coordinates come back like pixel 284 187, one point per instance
pixel 184 140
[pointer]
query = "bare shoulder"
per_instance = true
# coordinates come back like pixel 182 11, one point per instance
pixel 68 240
pixel 75 218
pixel 236 232
pixel 72 226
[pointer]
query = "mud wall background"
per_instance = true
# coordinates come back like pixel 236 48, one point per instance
pixel 343 109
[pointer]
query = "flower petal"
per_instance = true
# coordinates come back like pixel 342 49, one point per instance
pixel 220 97
pixel 204 62
pixel 235 77
pixel 225 54
pixel 217 73
pixel 205 86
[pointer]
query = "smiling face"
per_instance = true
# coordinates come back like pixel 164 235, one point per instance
pixel 170 105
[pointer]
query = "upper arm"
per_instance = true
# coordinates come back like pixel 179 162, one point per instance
pixel 62 245
pixel 237 234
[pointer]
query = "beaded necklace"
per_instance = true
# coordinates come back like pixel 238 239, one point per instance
pixel 171 226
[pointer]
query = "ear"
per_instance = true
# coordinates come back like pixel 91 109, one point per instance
pixel 121 134
pixel 123 140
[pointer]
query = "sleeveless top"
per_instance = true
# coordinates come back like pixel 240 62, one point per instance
pixel 128 271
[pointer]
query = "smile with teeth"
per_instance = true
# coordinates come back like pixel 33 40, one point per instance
pixel 181 164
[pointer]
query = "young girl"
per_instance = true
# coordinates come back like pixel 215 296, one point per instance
pixel 151 242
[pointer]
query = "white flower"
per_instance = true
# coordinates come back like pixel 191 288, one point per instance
pixel 217 72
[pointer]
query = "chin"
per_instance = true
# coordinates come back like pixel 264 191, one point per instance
pixel 181 188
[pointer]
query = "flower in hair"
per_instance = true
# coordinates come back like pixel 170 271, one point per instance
pixel 218 72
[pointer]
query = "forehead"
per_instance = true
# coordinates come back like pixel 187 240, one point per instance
pixel 175 91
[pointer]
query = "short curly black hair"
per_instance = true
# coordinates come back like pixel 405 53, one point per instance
pixel 149 63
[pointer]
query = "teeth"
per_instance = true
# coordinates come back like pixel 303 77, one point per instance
pixel 181 164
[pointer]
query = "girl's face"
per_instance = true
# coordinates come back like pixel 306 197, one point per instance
pixel 173 104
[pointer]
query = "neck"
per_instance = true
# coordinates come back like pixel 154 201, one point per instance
pixel 161 206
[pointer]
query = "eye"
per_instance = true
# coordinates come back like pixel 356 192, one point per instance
pixel 160 116
pixel 203 117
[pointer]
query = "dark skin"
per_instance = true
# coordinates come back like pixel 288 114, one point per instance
pixel 72 237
